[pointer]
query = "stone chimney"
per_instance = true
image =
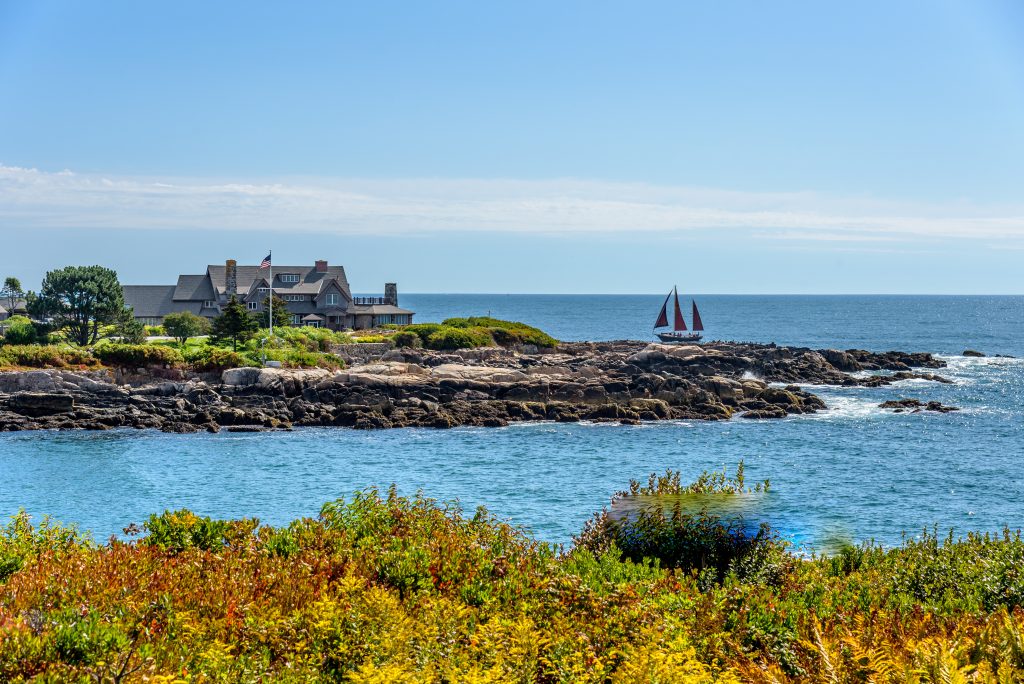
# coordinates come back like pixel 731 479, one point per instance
pixel 231 277
pixel 391 293
pixel 321 266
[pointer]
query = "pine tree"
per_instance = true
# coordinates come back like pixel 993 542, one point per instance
pixel 234 323
pixel 282 318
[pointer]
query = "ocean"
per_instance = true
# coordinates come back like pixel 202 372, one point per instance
pixel 852 473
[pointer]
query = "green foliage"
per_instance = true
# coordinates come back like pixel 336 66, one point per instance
pixel 282 319
pixel 21 541
pixel 137 355
pixel 407 340
pixel 179 530
pixel 234 324
pixel 383 588
pixel 80 300
pixel 45 356
pixel 372 339
pixel 19 330
pixel 208 358
pixel 671 524
pixel 423 330
pixel 155 331
pixel 182 326
pixel 130 330
pixel 505 333
pixel 11 292
pixel 447 338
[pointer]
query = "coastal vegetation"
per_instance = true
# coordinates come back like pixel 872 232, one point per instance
pixel 78 320
pixel 386 588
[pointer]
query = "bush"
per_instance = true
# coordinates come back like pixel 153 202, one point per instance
pixel 407 340
pixel 210 358
pixel 505 333
pixel 685 535
pixel 459 338
pixel 45 356
pixel 423 330
pixel 372 339
pixel 19 331
pixel 180 530
pixel 138 355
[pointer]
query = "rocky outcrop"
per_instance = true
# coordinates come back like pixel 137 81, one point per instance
pixel 916 406
pixel 626 382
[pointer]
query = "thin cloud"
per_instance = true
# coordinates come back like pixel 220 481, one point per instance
pixel 30 198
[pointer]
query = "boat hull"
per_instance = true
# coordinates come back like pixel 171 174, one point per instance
pixel 679 338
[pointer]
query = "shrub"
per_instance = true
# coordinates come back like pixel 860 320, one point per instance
pixel 424 330
pixel 407 340
pixel 680 532
pixel 209 359
pixel 45 356
pixel 458 338
pixel 184 325
pixel 177 531
pixel 372 339
pixel 138 355
pixel 19 331
pixel 505 333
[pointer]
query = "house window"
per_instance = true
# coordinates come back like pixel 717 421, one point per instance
pixel 253 306
pixel 263 290
pixel 289 278
pixel 294 298
pixel 296 319
pixel 332 298
pixel 209 305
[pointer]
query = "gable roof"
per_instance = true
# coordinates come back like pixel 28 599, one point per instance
pixel 310 281
pixel 194 288
pixel 154 301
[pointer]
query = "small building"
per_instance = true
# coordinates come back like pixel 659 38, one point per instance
pixel 317 295
pixel 20 308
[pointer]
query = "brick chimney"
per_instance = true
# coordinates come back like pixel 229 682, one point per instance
pixel 391 293
pixel 321 266
pixel 231 277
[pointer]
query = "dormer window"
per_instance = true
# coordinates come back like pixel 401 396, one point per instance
pixel 332 298
pixel 263 290
pixel 209 304
pixel 289 277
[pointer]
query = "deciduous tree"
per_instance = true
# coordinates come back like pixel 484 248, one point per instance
pixel 184 325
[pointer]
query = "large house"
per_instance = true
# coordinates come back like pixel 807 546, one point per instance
pixel 316 295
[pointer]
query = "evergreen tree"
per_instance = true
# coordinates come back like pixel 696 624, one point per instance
pixel 281 316
pixel 80 300
pixel 234 323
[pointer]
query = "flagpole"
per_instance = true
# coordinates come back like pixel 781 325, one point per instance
pixel 271 253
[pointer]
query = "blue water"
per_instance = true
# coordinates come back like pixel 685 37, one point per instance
pixel 854 472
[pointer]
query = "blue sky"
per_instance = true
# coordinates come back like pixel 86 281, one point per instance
pixel 521 147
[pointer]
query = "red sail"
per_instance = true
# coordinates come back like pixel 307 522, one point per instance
pixel 680 323
pixel 662 321
pixel 697 324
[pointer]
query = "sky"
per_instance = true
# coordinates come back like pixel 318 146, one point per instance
pixel 605 147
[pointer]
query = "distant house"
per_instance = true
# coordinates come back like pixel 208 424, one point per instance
pixel 6 312
pixel 317 295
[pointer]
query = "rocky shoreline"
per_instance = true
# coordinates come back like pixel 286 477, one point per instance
pixel 624 381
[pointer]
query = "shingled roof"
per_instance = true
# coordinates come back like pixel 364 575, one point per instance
pixel 310 280
pixel 155 301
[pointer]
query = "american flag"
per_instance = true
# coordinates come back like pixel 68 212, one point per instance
pixel 266 262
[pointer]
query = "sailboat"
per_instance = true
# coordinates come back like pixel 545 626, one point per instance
pixel 678 333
